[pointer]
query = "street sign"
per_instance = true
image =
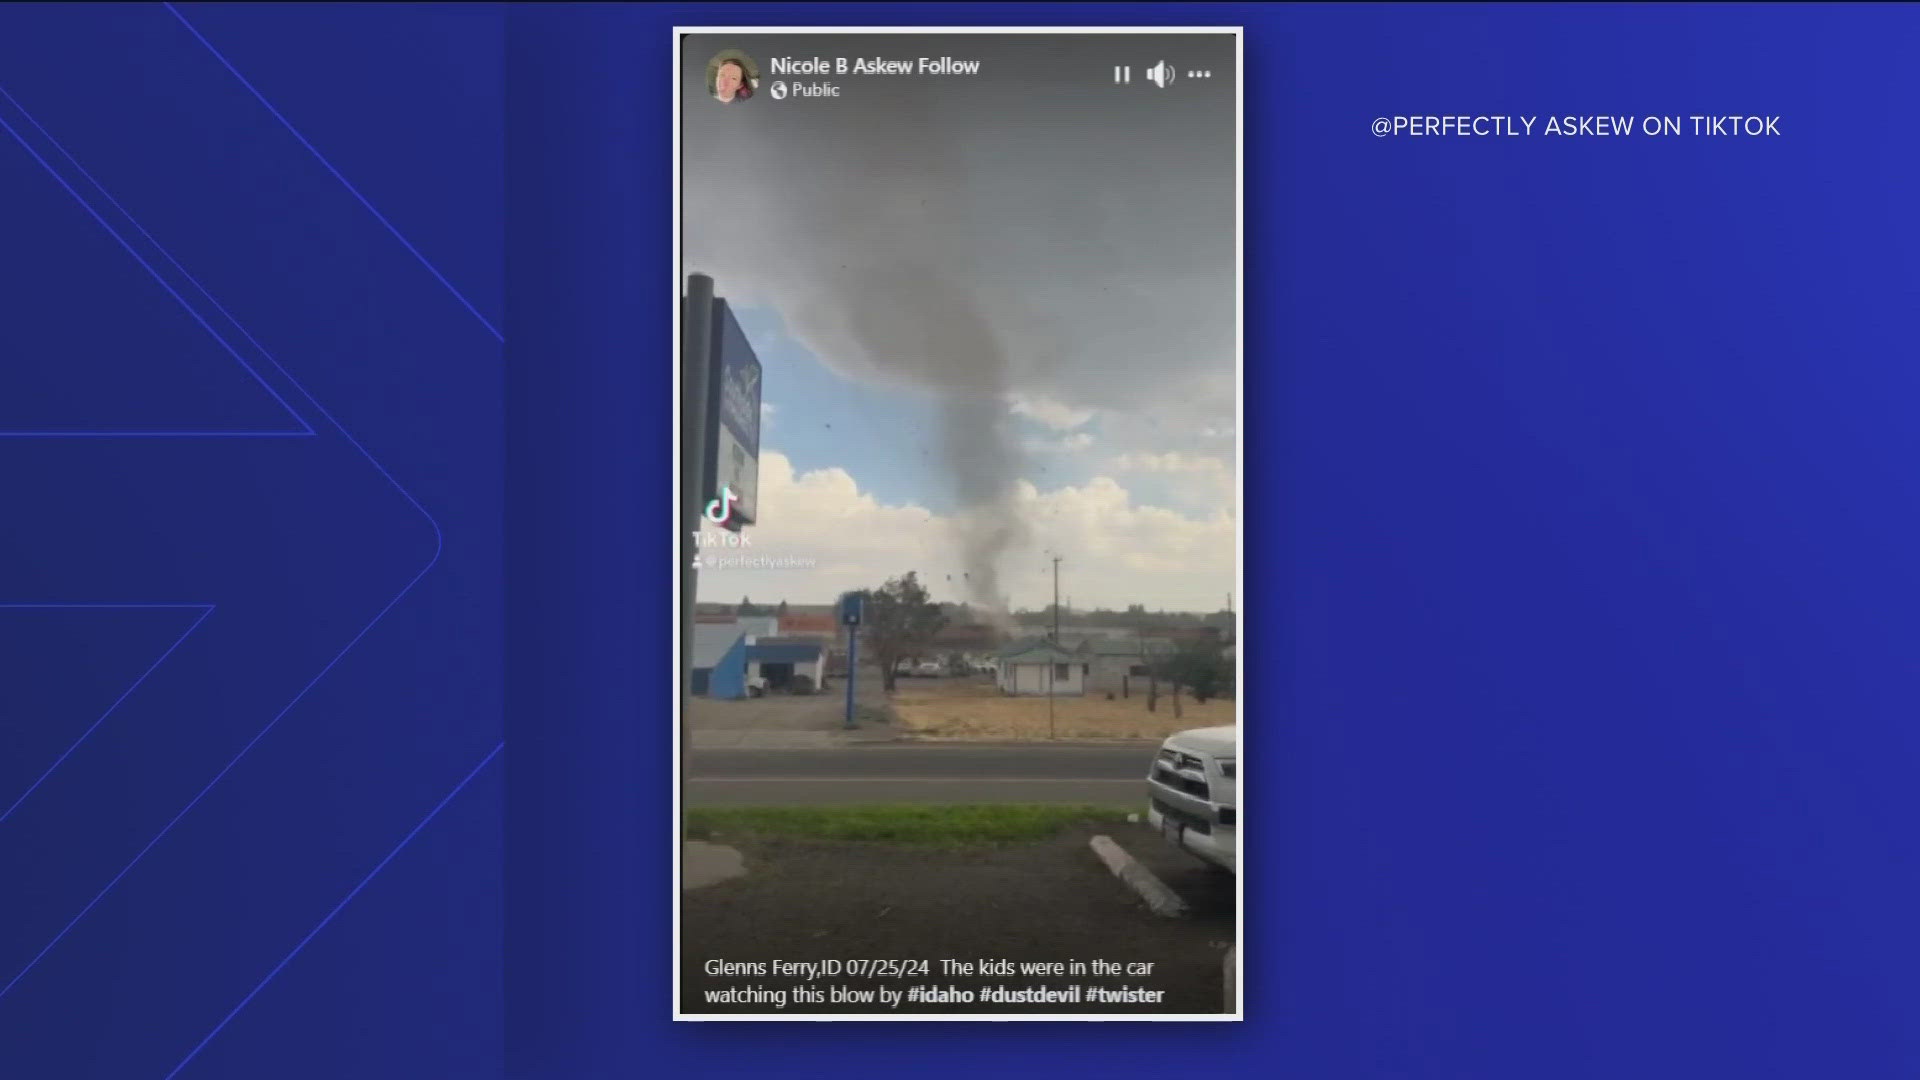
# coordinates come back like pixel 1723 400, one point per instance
pixel 850 609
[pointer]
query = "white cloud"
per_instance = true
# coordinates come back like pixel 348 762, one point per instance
pixel 1071 444
pixel 1117 551
pixel 1198 479
pixel 1051 413
pixel 1170 462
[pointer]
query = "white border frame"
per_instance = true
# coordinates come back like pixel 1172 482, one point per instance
pixel 1240 481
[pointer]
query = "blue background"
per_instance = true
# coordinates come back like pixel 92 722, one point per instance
pixel 230 388
pixel 1582 600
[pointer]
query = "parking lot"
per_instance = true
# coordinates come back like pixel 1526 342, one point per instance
pixel 825 711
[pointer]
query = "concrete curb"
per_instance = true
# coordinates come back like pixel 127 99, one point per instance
pixel 1162 900
pixel 703 864
pixel 750 739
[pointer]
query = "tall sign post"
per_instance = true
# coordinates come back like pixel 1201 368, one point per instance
pixel 850 613
pixel 719 445
pixel 719 442
pixel 696 357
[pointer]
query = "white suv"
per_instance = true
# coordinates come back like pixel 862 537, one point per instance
pixel 1193 790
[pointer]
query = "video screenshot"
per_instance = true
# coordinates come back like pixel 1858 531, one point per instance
pixel 959 524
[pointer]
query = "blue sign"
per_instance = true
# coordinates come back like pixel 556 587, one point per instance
pixel 738 382
pixel 733 424
pixel 850 609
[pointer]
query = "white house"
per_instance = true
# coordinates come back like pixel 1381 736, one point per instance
pixel 1038 666
pixel 1120 665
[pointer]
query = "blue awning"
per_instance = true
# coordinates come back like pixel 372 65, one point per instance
pixel 784 654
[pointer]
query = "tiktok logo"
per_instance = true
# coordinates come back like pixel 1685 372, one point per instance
pixel 720 509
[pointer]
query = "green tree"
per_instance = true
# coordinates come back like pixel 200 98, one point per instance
pixel 1201 666
pixel 898 621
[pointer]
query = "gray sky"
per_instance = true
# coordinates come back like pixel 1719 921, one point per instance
pixel 1035 250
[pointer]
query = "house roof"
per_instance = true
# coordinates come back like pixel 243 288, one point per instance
pixel 1133 646
pixel 757 625
pixel 1035 651
pixel 711 642
pixel 784 651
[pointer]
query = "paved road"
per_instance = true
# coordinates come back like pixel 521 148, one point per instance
pixel 1101 775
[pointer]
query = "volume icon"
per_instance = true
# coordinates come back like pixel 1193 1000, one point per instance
pixel 1160 75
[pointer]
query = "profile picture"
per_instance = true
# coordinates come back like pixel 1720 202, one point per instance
pixel 732 76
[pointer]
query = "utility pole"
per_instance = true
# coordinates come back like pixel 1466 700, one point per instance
pixel 1056 599
pixel 1051 668
pixel 1153 671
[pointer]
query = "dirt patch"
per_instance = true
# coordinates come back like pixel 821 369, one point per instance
pixel 972 709
pixel 1040 901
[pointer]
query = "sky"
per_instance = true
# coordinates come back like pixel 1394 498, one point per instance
pixel 996 314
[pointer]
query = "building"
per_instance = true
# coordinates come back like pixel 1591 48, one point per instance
pixel 810 624
pixel 1119 665
pixel 719 660
pixel 757 625
pixel 784 664
pixel 1038 666
pixel 731 663
pixel 1114 632
pixel 822 628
